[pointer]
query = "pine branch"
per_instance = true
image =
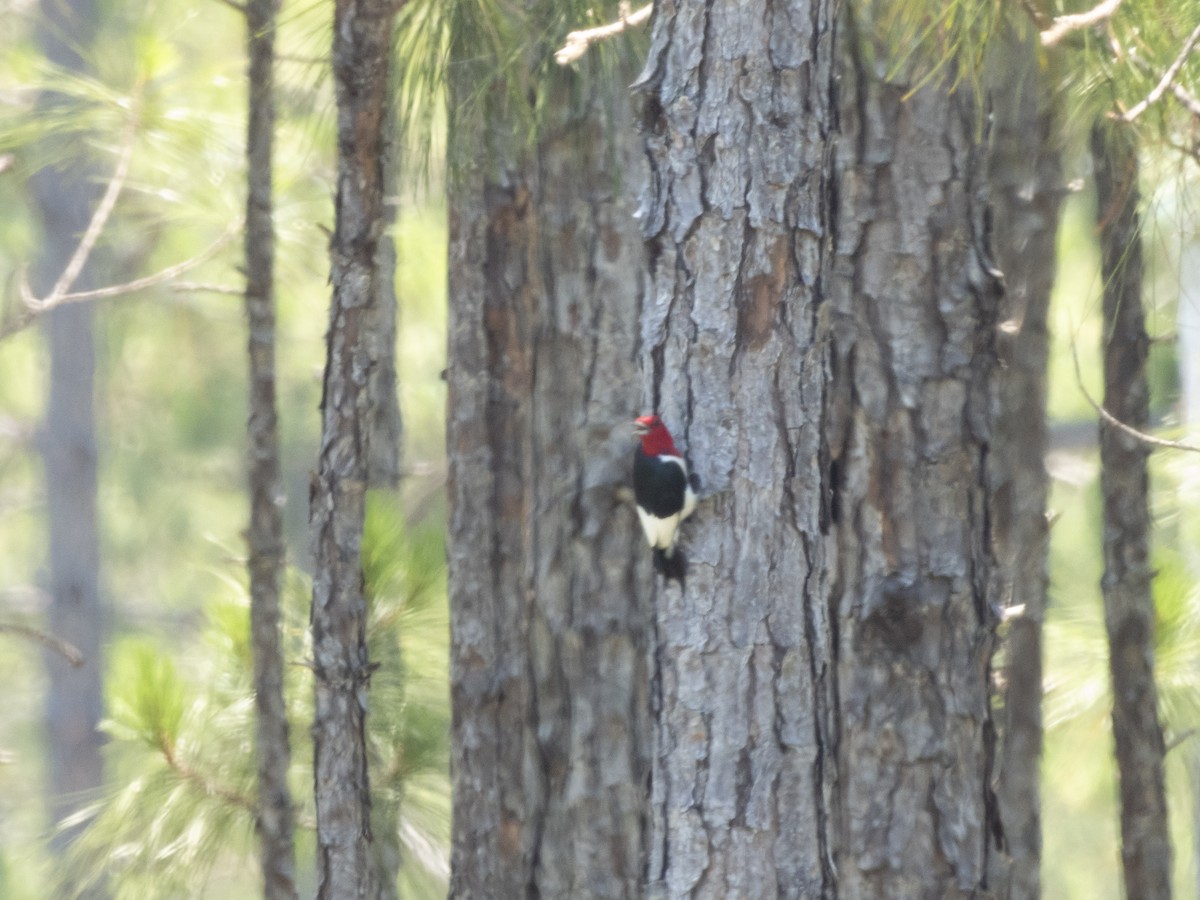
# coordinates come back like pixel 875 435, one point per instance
pixel 1167 79
pixel 35 307
pixel 198 779
pixel 578 42
pixel 1065 25
pixel 1147 439
pixel 99 217
pixel 195 287
pixel 1187 99
pixel 67 650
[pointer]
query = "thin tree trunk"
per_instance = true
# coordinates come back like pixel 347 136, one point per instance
pixel 548 574
pixel 384 445
pixel 384 449
pixel 915 304
pixel 74 702
pixel 274 812
pixel 1128 602
pixel 362 44
pixel 1026 179
pixel 738 117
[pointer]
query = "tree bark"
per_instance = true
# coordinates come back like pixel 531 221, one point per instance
pixel 387 428
pixel 266 560
pixel 549 576
pixel 915 302
pixel 738 120
pixel 362 32
pixel 1128 602
pixel 74 701
pixel 1026 182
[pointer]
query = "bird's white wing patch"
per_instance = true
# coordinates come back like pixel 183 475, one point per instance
pixel 689 496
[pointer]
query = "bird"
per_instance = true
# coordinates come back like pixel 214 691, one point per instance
pixel 664 491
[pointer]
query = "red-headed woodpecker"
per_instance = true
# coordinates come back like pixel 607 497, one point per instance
pixel 664 494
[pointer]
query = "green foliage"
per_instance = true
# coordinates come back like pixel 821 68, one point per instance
pixel 919 43
pixel 146 697
pixel 187 771
pixel 1080 812
pixel 497 61
pixel 1131 52
pixel 184 749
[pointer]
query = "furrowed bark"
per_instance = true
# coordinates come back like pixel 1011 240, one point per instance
pixel 1128 600
pixel 274 811
pixel 387 426
pixel 361 59
pixel 915 305
pixel 738 116
pixel 549 575
pixel 1026 179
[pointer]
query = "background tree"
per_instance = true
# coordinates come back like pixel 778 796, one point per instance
pixel 362 46
pixel 275 816
pixel 738 119
pixel 1027 190
pixel 549 577
pixel 65 200
pixel 1128 601
pixel 180 806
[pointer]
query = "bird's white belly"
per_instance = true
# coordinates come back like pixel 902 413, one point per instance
pixel 659 532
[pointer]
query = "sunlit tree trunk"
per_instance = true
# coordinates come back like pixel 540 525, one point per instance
pixel 1027 190
pixel 738 119
pixel 1128 600
pixel 74 703
pixel 915 301
pixel 384 451
pixel 549 576
pixel 266 560
pixel 362 32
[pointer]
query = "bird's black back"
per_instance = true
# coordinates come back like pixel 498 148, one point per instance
pixel 658 485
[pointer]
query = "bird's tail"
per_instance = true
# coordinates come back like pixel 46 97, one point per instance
pixel 670 563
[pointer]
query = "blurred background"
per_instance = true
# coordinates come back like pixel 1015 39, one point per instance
pixel 170 409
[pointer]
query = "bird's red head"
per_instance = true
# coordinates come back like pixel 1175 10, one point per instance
pixel 656 440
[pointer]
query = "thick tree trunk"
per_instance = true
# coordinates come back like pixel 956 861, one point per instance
pixel 74 701
pixel 362 43
pixel 549 576
pixel 1128 602
pixel 915 305
pixel 275 815
pixel 738 116
pixel 1026 180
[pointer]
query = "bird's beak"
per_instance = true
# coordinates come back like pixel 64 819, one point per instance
pixel 639 429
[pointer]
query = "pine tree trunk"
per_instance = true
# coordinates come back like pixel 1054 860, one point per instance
pixel 738 115
pixel 1026 179
pixel 361 57
pixel 74 700
pixel 266 560
pixel 387 428
pixel 1128 602
pixel 915 304
pixel 549 577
